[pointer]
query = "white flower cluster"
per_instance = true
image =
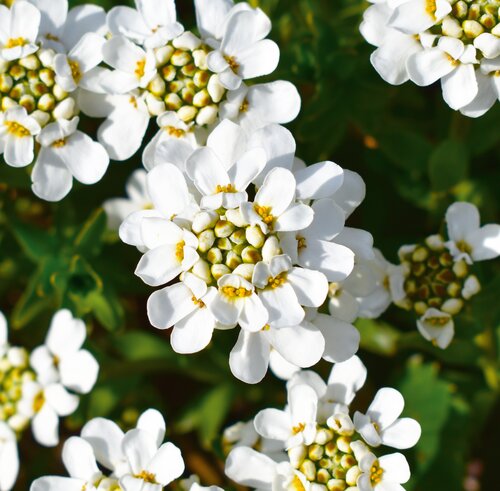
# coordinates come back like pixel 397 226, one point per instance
pixel 154 66
pixel 137 459
pixel 434 278
pixel 47 56
pixel 313 444
pixel 454 41
pixel 245 235
pixel 40 388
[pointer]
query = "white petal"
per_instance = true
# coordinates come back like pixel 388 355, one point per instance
pixel 462 219
pixel 403 433
pixel 485 242
pixel 341 338
pixel 19 152
pixel 66 333
pixel 79 372
pixel 105 436
pixel 352 192
pixel 249 359
pixel 260 59
pixel 395 467
pixel 78 458
pixel 250 468
pixel 56 483
pixel 282 305
pixel 51 179
pixel 153 422
pixel 278 190
pixel 273 423
pixel 167 464
pixel 254 315
pixel 83 19
pixel 297 217
pixel 386 407
pixel 303 402
pixel 193 333
pixel 227 141
pixel 209 16
pixel 414 17
pixel 61 400
pixel 311 287
pixel 345 380
pixel 45 426
pixel 428 66
pixel 168 306
pixel 318 181
pixel 460 86
pixel 206 171
pixel 159 266
pixel 139 447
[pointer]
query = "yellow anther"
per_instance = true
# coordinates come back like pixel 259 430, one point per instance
pixel 59 143
pixel 431 8
pixel 244 106
pixel 277 281
pixel 173 131
pixel 301 243
pixel 15 42
pixel 376 473
pixel 199 303
pixel 76 73
pixel 437 321
pixel 233 292
pixel 140 69
pixel 147 476
pixel 17 129
pixel 297 429
pixel 233 64
pixel 225 189
pixel 179 250
pixel 265 213
pixel 38 402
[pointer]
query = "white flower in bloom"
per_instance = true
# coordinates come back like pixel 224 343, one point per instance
pixel 437 326
pixel 256 470
pixel 381 424
pixel 117 209
pixel 297 424
pixel 426 41
pixel 322 442
pixel 228 257
pixel 18 30
pixel 9 459
pixel 62 28
pixel 133 66
pixel 468 240
pixel 244 53
pixel 386 472
pixel 4 344
pixel 61 358
pixel 259 105
pixel 77 68
pixel 152 23
pixel 66 153
pixel 17 130
pixel 135 460
pixel 159 69
pixel 44 405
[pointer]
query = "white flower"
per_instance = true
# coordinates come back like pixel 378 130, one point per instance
pixel 66 153
pixel 77 68
pixel 61 29
pixel 436 40
pixel 9 459
pixel 294 426
pixel 452 62
pixel 468 240
pixel 17 130
pixel 133 66
pixel 4 344
pixel 259 105
pixel 437 326
pixel 382 426
pixel 152 23
pixel 117 209
pixel 386 472
pixel 244 53
pixel 256 470
pixel 183 306
pixel 61 358
pixel 18 30
pixel 135 460
pixel 44 406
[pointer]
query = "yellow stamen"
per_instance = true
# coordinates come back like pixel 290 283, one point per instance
pixel 179 250
pixel 225 189
pixel 199 303
pixel 15 42
pixel 133 101
pixel 244 106
pixel 297 429
pixel 17 129
pixel 59 143
pixel 147 476
pixel 75 70
pixel 265 213
pixel 233 292
pixel 233 64
pixel 140 68
pixel 173 131
pixel 437 321
pixel 376 473
pixel 38 402
pixel 277 281
pixel 431 8
pixel 301 243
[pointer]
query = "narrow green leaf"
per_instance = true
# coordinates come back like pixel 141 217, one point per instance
pixel 448 165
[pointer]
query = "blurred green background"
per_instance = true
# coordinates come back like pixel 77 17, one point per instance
pixel 416 156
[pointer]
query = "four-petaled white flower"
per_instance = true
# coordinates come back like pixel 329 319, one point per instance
pixel 381 424
pixel 437 327
pixel 386 472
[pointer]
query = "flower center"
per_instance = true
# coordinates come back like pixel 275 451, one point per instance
pixel 185 85
pixel 233 64
pixel 30 82
pixel 225 189
pixel 468 19
pixel 147 476
pixel 38 402
pixel 376 473
pixel 140 68
pixel 277 281
pixel 329 461
pixel 233 292
pixel 432 278
pixel 11 386
pixel 265 213
pixel 179 250
pixel 76 73
pixel 16 129
pixel 59 143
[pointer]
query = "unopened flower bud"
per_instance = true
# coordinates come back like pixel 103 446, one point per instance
pixel 202 270
pixel 204 220
pixel 323 476
pixel 315 452
pixel 215 89
pixel 323 436
pixel 297 455
pixel 308 469
pixel 344 444
pixel 352 475
pixel 232 260
pixel 245 270
pixel 207 115
pixel 255 236
pixel 187 113
pixel 336 485
pixel 223 228
pixel 206 240
pixel 214 255
pixel 219 270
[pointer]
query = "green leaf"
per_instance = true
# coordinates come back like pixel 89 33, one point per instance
pixel 448 165
pixel 378 337
pixel 35 243
pixel 138 345
pixel 107 308
pixel 91 236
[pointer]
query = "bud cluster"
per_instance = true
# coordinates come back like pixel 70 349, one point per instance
pixel 14 371
pixel 330 461
pixel 184 84
pixel 226 244
pixel 470 18
pixel 31 82
pixel 434 279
